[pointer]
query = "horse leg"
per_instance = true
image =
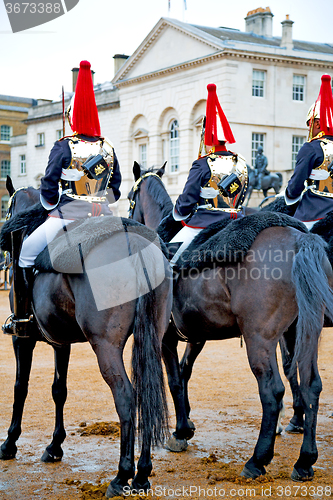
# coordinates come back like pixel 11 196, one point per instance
pixel 23 349
pixel 310 387
pixel 287 345
pixel 263 362
pixel 53 452
pixel 178 441
pixel 112 368
pixel 191 353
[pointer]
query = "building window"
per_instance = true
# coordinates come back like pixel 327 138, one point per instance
pixel 4 206
pixel 5 168
pixel 5 133
pixel 174 146
pixel 40 140
pixel 59 134
pixel 257 140
pixel 297 143
pixel 258 83
pixel 298 88
pixel 23 165
pixel 143 155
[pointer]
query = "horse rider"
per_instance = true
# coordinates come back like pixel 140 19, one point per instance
pixel 260 166
pixel 220 172
pixel 80 169
pixel 312 181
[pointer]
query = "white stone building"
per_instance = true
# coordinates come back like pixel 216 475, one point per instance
pixel 153 107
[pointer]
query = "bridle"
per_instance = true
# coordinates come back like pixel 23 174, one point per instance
pixel 135 190
pixel 10 203
pixel 8 261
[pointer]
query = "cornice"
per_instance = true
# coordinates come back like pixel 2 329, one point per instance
pixel 56 116
pixel 233 54
pixel 153 38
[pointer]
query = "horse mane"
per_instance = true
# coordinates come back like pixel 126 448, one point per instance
pixel 159 193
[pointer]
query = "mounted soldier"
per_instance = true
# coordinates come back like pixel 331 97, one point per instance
pixel 220 172
pixel 80 170
pixel 312 181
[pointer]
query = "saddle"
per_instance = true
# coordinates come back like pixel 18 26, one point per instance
pixel 67 251
pixel 323 227
pixel 228 241
pixel 70 246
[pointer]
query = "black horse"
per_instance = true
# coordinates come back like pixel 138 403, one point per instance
pixel 70 308
pixel 272 180
pixel 214 300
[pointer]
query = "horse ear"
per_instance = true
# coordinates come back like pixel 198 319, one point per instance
pixel 136 171
pixel 9 186
pixel 160 172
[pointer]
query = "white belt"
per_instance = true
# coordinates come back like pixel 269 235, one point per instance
pixel 89 199
pixel 208 192
pixel 319 174
pixel 71 174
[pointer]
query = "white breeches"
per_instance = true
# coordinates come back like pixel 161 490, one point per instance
pixel 186 235
pixel 309 224
pixel 39 239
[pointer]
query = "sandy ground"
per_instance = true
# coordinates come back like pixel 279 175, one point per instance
pixel 225 408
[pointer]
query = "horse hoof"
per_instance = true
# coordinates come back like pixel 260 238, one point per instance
pixel 249 474
pixel 294 429
pixel 114 491
pixel 176 445
pixel 48 458
pixel 138 489
pixel 296 476
pixel 6 456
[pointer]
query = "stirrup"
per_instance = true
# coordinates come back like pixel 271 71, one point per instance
pixel 13 327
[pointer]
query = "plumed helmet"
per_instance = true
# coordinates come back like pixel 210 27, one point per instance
pixel 217 126
pixel 313 113
pixel 323 108
pixel 82 111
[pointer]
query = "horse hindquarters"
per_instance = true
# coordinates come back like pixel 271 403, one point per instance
pixel 310 274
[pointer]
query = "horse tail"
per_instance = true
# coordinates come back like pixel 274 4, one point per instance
pixel 310 272
pixel 147 373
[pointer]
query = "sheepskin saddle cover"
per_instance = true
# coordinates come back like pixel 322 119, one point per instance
pixel 228 241
pixel 67 251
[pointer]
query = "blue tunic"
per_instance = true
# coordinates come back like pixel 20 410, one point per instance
pixel 311 206
pixel 60 157
pixel 190 201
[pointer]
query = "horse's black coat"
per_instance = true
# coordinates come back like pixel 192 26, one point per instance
pixel 66 310
pixel 230 301
pixel 229 242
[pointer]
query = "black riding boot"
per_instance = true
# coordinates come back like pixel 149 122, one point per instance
pixel 21 320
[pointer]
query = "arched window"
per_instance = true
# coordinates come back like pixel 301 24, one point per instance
pixel 174 146
pixel 4 206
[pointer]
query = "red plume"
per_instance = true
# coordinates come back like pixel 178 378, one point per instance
pixel 326 105
pixel 85 119
pixel 213 107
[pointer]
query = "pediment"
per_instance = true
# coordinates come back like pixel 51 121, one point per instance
pixel 168 44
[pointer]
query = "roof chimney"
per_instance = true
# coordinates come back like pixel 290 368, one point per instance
pixel 287 33
pixel 75 74
pixel 260 22
pixel 119 60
